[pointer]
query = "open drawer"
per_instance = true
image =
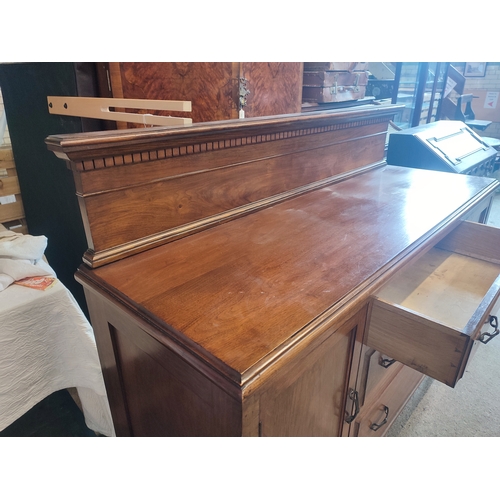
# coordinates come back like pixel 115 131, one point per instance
pixel 430 315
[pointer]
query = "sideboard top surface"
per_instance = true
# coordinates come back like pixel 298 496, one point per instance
pixel 238 291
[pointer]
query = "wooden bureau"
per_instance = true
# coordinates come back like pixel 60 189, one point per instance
pixel 255 277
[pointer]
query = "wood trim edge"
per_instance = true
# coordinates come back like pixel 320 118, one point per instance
pixel 97 258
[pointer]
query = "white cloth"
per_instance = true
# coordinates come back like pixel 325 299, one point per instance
pixel 21 256
pixel 21 246
pixel 47 344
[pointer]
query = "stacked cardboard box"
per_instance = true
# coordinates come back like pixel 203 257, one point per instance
pixel 11 204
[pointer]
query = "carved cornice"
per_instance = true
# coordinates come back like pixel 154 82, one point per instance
pixel 98 150
pixel 216 145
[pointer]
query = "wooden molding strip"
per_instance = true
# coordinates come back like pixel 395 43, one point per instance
pixel 104 146
pixel 96 259
pixel 99 108
pixel 214 145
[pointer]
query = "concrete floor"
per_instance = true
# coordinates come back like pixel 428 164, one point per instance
pixel 472 408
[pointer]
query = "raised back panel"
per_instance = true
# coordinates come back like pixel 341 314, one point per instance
pixel 140 188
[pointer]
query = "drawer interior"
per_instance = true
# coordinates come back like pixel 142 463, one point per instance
pixel 443 285
pixel 431 312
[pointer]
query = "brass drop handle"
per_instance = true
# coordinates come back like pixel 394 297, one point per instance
pixel 493 321
pixel 385 362
pixel 376 427
pixel 353 396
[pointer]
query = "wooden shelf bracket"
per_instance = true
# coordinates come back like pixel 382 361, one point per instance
pixel 99 108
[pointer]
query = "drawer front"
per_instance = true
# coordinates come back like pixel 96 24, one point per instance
pixel 377 418
pixel 429 315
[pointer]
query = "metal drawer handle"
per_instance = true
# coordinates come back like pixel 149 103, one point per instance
pixel 353 396
pixel 493 321
pixel 386 362
pixel 376 427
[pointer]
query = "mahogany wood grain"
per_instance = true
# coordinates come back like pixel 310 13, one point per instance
pixel 310 404
pixel 153 388
pixel 419 342
pixel 105 148
pixel 180 200
pixel 304 393
pixel 139 189
pixel 183 160
pixel 109 366
pixel 475 240
pixel 263 308
pixel 215 285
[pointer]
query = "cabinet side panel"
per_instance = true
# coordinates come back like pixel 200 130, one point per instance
pixel 166 397
pixel 152 390
pixel 107 358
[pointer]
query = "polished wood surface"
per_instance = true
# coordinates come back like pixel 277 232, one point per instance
pixel 251 321
pixel 213 287
pixel 139 189
pixel 307 399
pixel 212 87
pixel 430 314
pixel 208 85
pixel 474 240
pixel 275 87
pixel 154 391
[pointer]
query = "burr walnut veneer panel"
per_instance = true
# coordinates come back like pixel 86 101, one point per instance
pixel 212 87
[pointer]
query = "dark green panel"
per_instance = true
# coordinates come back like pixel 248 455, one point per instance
pixel 47 186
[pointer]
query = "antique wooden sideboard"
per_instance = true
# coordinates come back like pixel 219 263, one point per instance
pixel 274 277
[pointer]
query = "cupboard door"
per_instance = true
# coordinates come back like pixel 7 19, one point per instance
pixel 208 85
pixel 308 398
pixel 212 87
pixel 275 87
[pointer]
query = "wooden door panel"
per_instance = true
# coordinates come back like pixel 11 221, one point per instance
pixel 275 87
pixel 208 85
pixel 310 402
